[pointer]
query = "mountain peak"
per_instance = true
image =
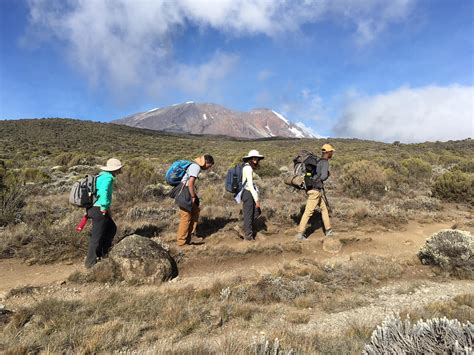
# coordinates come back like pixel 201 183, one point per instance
pixel 209 118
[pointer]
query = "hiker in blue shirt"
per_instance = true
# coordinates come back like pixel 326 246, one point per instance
pixel 103 227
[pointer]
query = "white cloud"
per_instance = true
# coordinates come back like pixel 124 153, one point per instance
pixel 197 79
pixel 128 44
pixel 411 115
pixel 308 106
pixel 308 109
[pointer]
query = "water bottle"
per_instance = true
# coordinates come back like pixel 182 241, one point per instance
pixel 82 223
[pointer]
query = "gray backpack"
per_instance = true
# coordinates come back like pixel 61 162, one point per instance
pixel 83 192
pixel 304 161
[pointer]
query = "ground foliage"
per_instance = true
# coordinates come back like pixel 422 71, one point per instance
pixel 431 336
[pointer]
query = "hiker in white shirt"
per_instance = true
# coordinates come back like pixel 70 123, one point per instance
pixel 251 203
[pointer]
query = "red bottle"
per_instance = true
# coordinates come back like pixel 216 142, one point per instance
pixel 82 223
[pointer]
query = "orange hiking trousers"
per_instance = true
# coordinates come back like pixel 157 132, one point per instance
pixel 187 224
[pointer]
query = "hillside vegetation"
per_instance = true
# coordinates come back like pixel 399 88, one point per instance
pixel 231 297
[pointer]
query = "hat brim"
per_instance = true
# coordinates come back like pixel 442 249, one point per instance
pixel 254 156
pixel 109 168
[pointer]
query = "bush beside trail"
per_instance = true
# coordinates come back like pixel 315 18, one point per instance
pixel 451 250
pixel 455 186
pixel 364 179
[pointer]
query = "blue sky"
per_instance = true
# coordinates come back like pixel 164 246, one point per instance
pixel 374 69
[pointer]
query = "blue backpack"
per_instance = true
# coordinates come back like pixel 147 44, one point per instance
pixel 176 171
pixel 233 181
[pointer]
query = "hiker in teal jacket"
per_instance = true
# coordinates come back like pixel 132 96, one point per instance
pixel 103 227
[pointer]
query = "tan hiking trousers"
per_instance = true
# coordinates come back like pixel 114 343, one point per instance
pixel 315 199
pixel 187 224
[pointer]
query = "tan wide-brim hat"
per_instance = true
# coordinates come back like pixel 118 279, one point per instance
pixel 112 165
pixel 254 154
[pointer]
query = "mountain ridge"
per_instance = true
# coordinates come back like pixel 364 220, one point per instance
pixel 213 119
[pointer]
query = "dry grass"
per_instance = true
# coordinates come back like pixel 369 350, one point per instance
pixel 229 316
pixel 114 320
pixel 460 307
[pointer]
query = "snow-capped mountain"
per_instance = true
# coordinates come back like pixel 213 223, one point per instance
pixel 214 119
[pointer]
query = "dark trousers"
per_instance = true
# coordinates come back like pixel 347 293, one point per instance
pixel 250 214
pixel 103 232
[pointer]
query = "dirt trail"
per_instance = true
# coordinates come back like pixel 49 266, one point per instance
pixel 204 266
pixel 404 243
pixel 15 273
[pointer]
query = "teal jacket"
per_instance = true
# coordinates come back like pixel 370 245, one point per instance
pixel 104 185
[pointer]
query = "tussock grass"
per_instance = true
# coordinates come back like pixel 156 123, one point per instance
pixel 135 319
pixel 460 307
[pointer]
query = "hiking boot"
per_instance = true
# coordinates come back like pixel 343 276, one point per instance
pixel 329 233
pixel 249 237
pixel 197 235
pixel 194 240
pixel 300 236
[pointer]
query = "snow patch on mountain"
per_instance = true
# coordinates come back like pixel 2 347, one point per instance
pixel 280 116
pixel 296 132
pixel 153 109
pixel 269 131
pixel 308 130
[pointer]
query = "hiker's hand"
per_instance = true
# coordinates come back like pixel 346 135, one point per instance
pixel 104 212
pixel 257 204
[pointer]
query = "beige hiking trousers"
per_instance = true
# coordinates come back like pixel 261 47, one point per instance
pixel 315 199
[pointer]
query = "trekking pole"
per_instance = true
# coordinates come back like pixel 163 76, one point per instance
pixel 326 201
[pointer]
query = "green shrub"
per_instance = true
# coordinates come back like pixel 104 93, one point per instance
pixel 454 186
pixel 12 197
pixel 417 169
pixel 35 175
pixel 267 169
pixel 364 179
pixel 465 166
pixel 82 159
pixel 396 173
pixel 136 175
pixel 63 159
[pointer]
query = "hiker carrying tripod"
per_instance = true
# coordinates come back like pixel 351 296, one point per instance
pixel 315 176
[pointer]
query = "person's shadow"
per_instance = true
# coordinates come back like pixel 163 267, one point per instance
pixel 315 222
pixel 209 226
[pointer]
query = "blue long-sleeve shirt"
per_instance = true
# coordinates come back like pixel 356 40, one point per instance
pixel 104 185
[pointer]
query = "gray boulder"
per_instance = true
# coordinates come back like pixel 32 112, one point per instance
pixel 141 260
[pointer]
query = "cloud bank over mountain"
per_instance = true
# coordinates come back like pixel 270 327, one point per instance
pixel 411 115
pixel 130 44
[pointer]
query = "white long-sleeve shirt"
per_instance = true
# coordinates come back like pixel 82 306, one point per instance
pixel 247 179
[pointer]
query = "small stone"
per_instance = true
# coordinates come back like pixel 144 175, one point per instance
pixel 332 245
